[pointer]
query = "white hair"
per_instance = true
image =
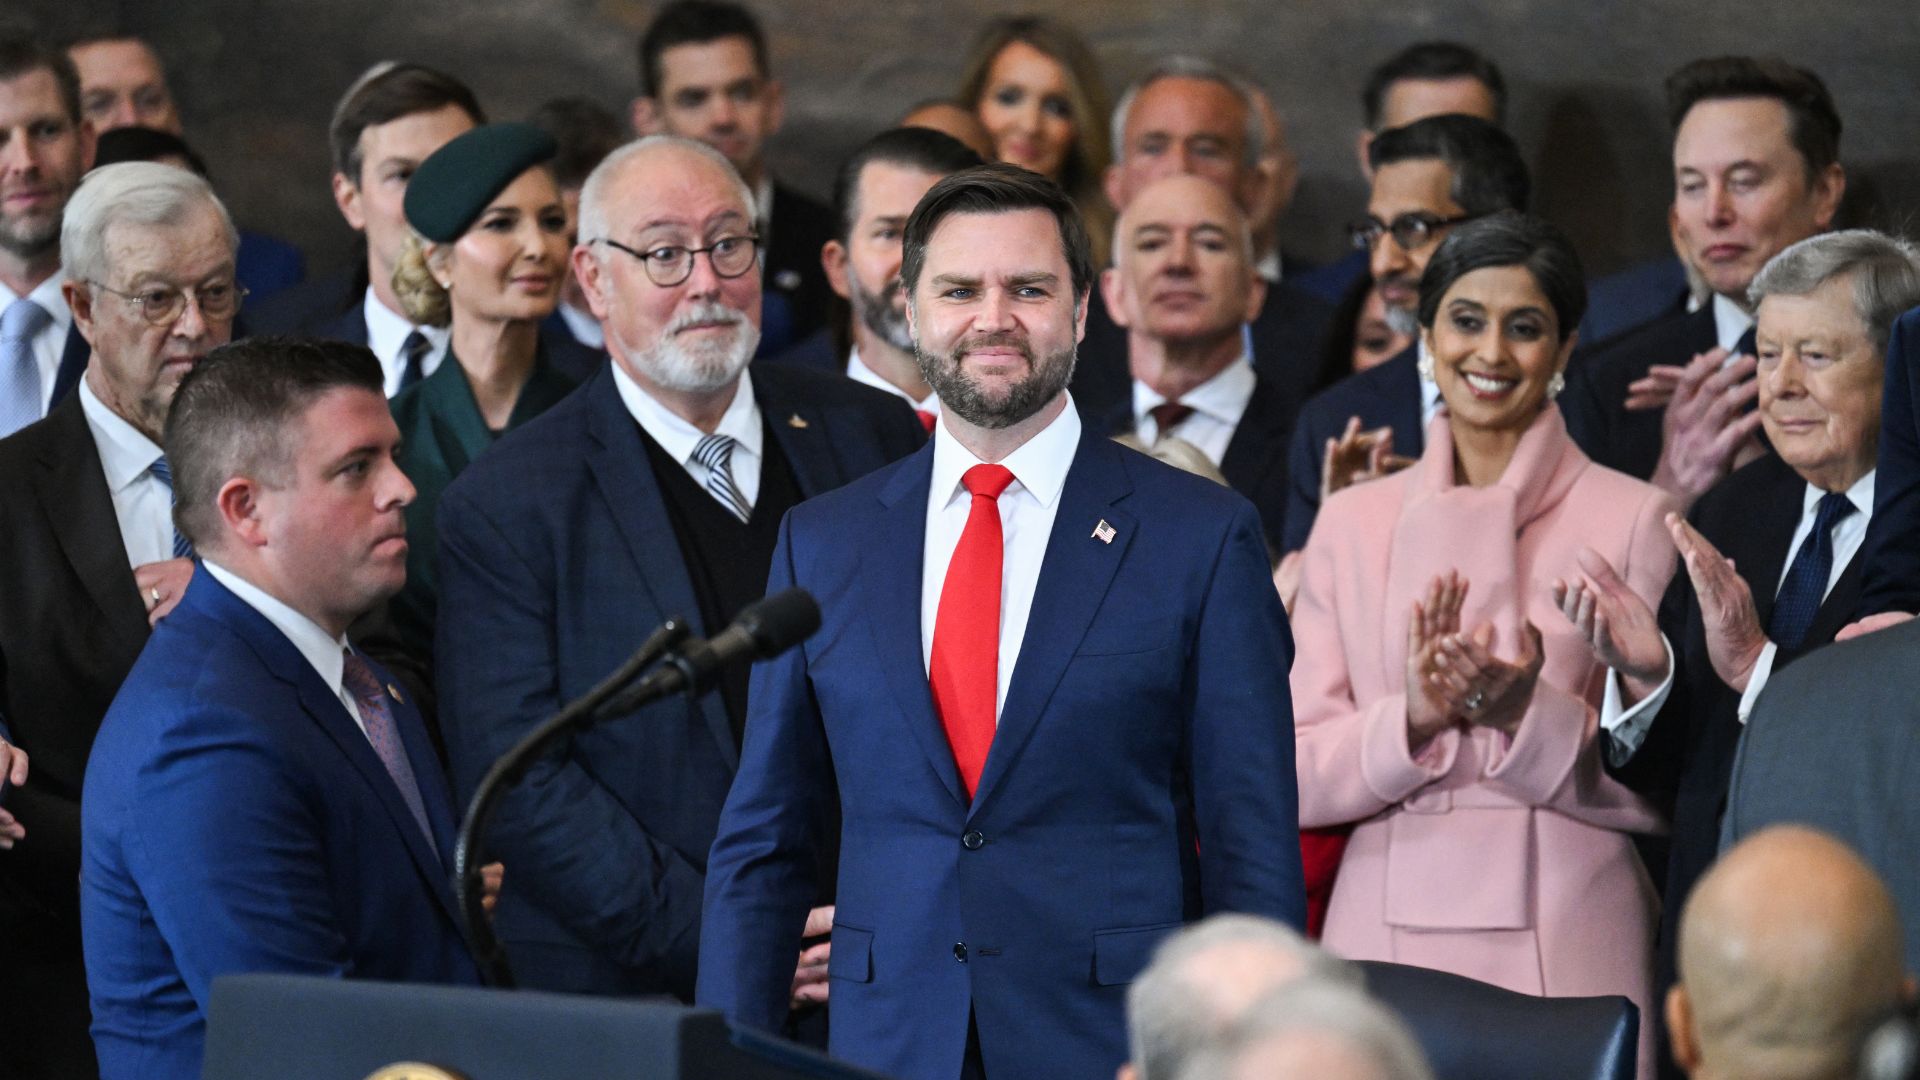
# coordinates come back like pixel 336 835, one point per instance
pixel 594 193
pixel 1885 273
pixel 133 193
pixel 1193 67
pixel 1340 1014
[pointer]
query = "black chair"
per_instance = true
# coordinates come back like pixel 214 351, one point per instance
pixel 293 1027
pixel 1476 1031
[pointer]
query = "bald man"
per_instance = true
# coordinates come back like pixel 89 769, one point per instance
pixel 1790 952
pixel 1182 286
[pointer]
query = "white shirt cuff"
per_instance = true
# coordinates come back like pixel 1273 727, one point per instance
pixel 1762 669
pixel 1626 726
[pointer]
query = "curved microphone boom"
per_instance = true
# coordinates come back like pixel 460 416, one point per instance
pixel 763 629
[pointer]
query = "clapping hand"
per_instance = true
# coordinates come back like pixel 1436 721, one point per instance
pixel 1485 690
pixel 1734 637
pixel 1615 622
pixel 1357 456
pixel 13 771
pixel 1430 707
pixel 1707 426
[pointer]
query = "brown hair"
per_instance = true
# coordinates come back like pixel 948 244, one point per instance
pixel 996 189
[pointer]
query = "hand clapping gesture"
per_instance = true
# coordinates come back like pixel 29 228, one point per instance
pixel 1615 622
pixel 1357 456
pixel 1456 678
pixel 13 771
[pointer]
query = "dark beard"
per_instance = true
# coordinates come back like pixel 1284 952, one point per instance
pixel 878 316
pixel 1044 382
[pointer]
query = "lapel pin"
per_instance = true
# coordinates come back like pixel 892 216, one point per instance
pixel 395 691
pixel 797 421
pixel 1103 532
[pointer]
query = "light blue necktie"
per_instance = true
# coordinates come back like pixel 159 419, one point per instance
pixel 20 388
pixel 163 472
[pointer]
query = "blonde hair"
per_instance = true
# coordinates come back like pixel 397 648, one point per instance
pixel 422 296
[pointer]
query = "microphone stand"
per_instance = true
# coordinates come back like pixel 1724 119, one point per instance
pixel 579 714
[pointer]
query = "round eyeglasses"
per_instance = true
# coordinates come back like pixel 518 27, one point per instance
pixel 162 305
pixel 670 264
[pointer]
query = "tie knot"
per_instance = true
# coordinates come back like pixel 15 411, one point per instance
pixel 1834 506
pixel 416 345
pixel 359 678
pixel 1168 415
pixel 988 480
pixel 162 471
pixel 714 451
pixel 23 319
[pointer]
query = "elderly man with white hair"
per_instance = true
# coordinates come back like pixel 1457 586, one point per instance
pixel 1313 1029
pixel 89 557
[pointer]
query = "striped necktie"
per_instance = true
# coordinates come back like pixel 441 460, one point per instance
pixel 715 452
pixel 182 549
pixel 20 388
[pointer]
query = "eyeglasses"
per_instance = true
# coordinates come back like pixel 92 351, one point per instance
pixel 671 264
pixel 162 305
pixel 1411 231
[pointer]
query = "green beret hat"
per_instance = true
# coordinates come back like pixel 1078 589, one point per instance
pixel 452 187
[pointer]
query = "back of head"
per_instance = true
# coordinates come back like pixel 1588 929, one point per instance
pixel 1813 120
pixel 22 54
pixel 234 410
pixel 584 131
pixel 384 93
pixel 1205 977
pixel 1316 1029
pixel 697 22
pixel 1488 172
pixel 921 149
pixel 1790 952
pixel 144 144
pixel 1431 61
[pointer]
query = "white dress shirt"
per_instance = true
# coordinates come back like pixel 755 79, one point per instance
pixel 323 651
pixel 51 341
pixel 859 372
pixel 1217 404
pixel 1027 509
pixel 1429 389
pixel 679 438
pixel 1730 321
pixel 141 503
pixel 583 326
pixel 387 332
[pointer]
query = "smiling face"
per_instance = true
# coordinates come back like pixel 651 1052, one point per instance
pixel 1027 109
pixel 1496 345
pixel 510 263
pixel 995 320
pixel 1741 190
pixel 1820 384
pixel 43 154
pixel 1183 265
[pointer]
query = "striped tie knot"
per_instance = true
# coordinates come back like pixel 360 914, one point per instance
pixel 163 472
pixel 715 454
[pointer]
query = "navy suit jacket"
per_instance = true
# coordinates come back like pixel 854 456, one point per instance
pixel 1142 776
pixel 1890 558
pixel 1633 297
pixel 557 558
pixel 236 819
pixel 1385 395
pixel 817 350
pixel 1594 401
pixel 73 364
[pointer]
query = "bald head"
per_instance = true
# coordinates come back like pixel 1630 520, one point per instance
pixel 1183 275
pixel 1790 950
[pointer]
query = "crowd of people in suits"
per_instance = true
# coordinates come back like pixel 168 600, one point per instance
pixel 1440 605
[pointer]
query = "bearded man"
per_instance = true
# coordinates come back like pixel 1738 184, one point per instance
pixel 655 490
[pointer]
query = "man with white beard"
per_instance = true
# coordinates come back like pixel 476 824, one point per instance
pixel 655 490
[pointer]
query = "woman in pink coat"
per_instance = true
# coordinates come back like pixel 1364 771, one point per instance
pixel 1443 702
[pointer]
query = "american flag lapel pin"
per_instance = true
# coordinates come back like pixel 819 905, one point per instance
pixel 1103 532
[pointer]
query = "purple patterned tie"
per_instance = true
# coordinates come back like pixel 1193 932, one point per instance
pixel 377 712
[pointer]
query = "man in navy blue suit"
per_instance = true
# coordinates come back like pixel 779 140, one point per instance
pixel 260 798
pixel 1048 698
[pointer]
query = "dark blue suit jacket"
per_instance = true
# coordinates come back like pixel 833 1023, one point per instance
pixel 557 558
pixel 236 819
pixel 1385 395
pixel 1142 776
pixel 73 364
pixel 1633 297
pixel 1890 557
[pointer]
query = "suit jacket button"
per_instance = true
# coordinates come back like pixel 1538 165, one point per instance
pixel 974 840
pixel 960 952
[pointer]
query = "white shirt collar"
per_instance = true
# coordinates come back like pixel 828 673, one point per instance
pixel 387 330
pixel 1429 389
pixel 48 295
pixel 125 453
pixel 1860 495
pixel 859 372
pixel 1730 321
pixel 763 198
pixel 678 437
pixel 1269 266
pixel 1223 397
pixel 323 651
pixel 1039 466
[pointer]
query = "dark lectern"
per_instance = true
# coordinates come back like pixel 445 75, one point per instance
pixel 291 1027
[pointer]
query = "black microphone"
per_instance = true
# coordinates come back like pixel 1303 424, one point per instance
pixel 767 627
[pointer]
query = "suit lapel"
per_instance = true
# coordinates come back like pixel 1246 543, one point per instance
pixel 79 508
pixel 1405 404
pixel 804 433
pixel 895 550
pixel 1074 577
pixel 1762 556
pixel 1259 442
pixel 73 364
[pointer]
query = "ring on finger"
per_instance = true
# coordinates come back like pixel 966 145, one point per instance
pixel 1474 700
pixel 154 591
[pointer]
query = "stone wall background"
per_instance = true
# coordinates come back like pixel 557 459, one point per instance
pixel 256 80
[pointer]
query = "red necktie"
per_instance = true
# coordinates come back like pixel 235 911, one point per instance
pixel 965 671
pixel 1166 416
pixel 927 419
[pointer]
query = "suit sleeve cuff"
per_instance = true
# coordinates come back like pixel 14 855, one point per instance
pixel 1626 726
pixel 1756 682
pixel 1541 757
pixel 1389 766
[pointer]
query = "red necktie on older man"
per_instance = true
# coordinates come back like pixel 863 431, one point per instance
pixel 965 669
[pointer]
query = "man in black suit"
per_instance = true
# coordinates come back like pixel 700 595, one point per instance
pixel 655 490
pixel 1791 522
pixel 704 75
pixel 391 119
pixel 88 556
pixel 1427 177
pixel 49 147
pixel 1183 284
pixel 1756 168
pixel 1188 116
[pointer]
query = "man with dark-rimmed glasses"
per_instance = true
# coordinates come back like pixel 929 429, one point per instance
pixel 655 490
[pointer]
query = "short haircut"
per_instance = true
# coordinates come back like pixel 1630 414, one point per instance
pixel 233 411
pixel 585 132
pixel 1509 238
pixel 593 193
pixel 923 149
pixel 144 144
pixel 1169 1019
pixel 1488 172
pixel 384 93
pixel 1342 1014
pixel 1884 271
pixel 1253 136
pixel 997 188
pixel 697 22
pixel 1813 123
pixel 23 54
pixel 1432 61
pixel 129 193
